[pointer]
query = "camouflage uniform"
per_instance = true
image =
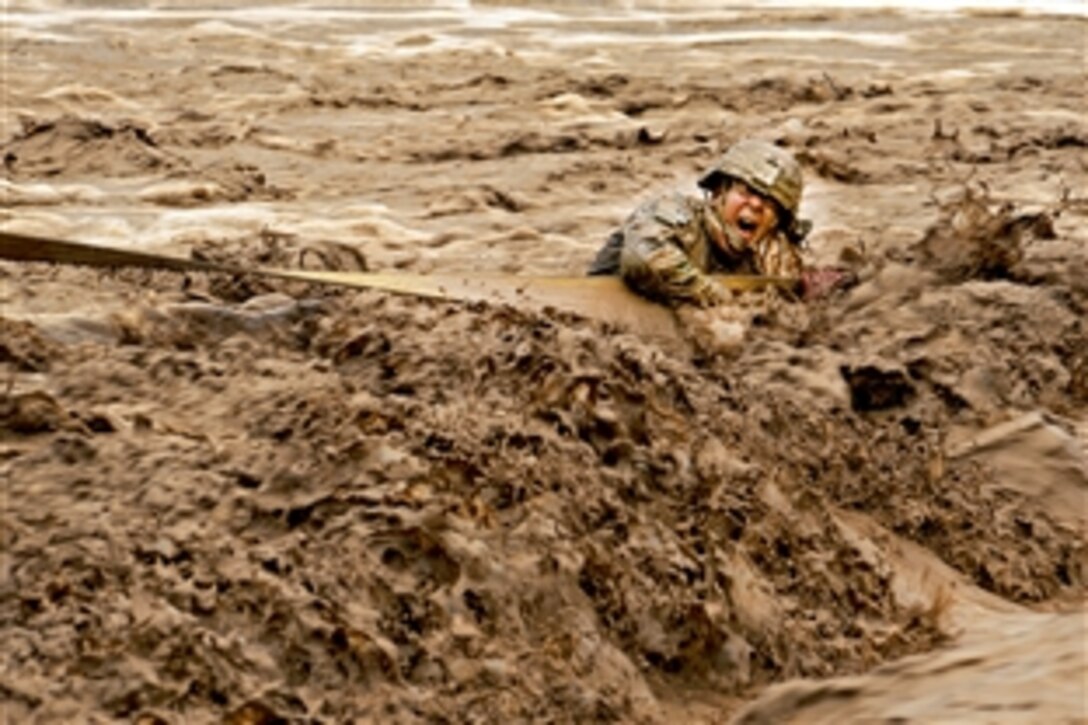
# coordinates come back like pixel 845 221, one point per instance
pixel 669 246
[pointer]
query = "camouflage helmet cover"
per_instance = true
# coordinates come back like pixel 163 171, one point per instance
pixel 770 170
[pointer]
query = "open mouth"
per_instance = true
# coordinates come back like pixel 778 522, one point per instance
pixel 747 226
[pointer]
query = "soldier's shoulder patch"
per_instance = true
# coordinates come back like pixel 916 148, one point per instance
pixel 673 210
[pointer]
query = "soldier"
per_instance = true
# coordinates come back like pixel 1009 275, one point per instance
pixel 746 223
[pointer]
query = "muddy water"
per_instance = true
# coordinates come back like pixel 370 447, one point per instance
pixel 230 498
pixel 283 86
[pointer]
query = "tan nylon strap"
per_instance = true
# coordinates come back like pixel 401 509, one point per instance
pixel 601 298
pixel 26 248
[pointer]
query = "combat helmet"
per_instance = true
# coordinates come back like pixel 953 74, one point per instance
pixel 768 169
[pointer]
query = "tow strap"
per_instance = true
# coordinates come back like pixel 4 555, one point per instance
pixel 601 298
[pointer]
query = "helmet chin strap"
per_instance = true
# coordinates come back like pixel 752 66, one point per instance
pixel 736 241
pixel 726 236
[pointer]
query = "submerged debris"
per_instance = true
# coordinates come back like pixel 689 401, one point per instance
pixel 975 237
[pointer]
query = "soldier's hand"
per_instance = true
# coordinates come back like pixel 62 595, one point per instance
pixel 715 331
pixel 818 283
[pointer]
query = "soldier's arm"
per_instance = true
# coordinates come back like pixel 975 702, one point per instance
pixel 812 282
pixel 780 258
pixel 655 261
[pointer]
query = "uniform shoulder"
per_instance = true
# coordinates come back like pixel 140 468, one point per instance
pixel 674 209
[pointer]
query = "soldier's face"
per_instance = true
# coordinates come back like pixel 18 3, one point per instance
pixel 751 215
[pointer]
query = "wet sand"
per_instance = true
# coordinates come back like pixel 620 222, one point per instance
pixel 240 499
